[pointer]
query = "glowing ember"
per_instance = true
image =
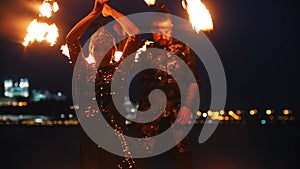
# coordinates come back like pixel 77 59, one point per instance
pixel 41 31
pixel 150 2
pixel 65 50
pixel 199 15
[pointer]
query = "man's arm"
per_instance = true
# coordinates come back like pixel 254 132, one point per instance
pixel 191 93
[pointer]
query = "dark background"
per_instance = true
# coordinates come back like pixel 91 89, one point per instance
pixel 257 42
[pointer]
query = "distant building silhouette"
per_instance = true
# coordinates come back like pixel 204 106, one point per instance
pixel 16 89
pixel 20 90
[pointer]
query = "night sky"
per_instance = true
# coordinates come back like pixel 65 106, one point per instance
pixel 257 42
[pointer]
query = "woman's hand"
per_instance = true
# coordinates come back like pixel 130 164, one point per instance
pixel 98 6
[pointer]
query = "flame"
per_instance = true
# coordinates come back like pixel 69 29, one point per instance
pixel 90 59
pixel 47 8
pixel 65 50
pixel 199 15
pixel 117 55
pixel 42 31
pixel 39 31
pixel 55 7
pixel 150 2
pixel 142 49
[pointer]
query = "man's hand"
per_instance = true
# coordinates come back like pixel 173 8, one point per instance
pixel 184 115
pixel 107 11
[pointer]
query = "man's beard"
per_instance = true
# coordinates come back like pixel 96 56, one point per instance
pixel 163 42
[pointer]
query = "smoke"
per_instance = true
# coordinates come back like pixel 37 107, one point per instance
pixel 15 17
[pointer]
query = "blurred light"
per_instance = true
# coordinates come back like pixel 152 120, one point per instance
pixel 222 112
pixel 226 118
pixel 199 113
pixel 292 118
pixel 70 116
pixel 286 112
pixel 232 114
pixel 20 117
pixel 62 116
pixel 38 120
pixel 209 113
pixel 20 103
pixel 268 112
pixel 14 103
pixel 204 114
pixel 285 118
pixel 59 94
pixel 239 112
pixel 263 122
pixel 253 112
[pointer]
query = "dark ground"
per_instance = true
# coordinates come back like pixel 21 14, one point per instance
pixel 232 146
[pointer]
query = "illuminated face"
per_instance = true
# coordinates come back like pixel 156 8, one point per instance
pixel 101 42
pixel 162 32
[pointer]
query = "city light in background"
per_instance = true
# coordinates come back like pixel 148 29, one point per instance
pixel 20 89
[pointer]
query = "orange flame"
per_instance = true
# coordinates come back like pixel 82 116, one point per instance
pixel 41 31
pixel 150 2
pixel 118 55
pixel 47 8
pixel 199 15
pixel 65 50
